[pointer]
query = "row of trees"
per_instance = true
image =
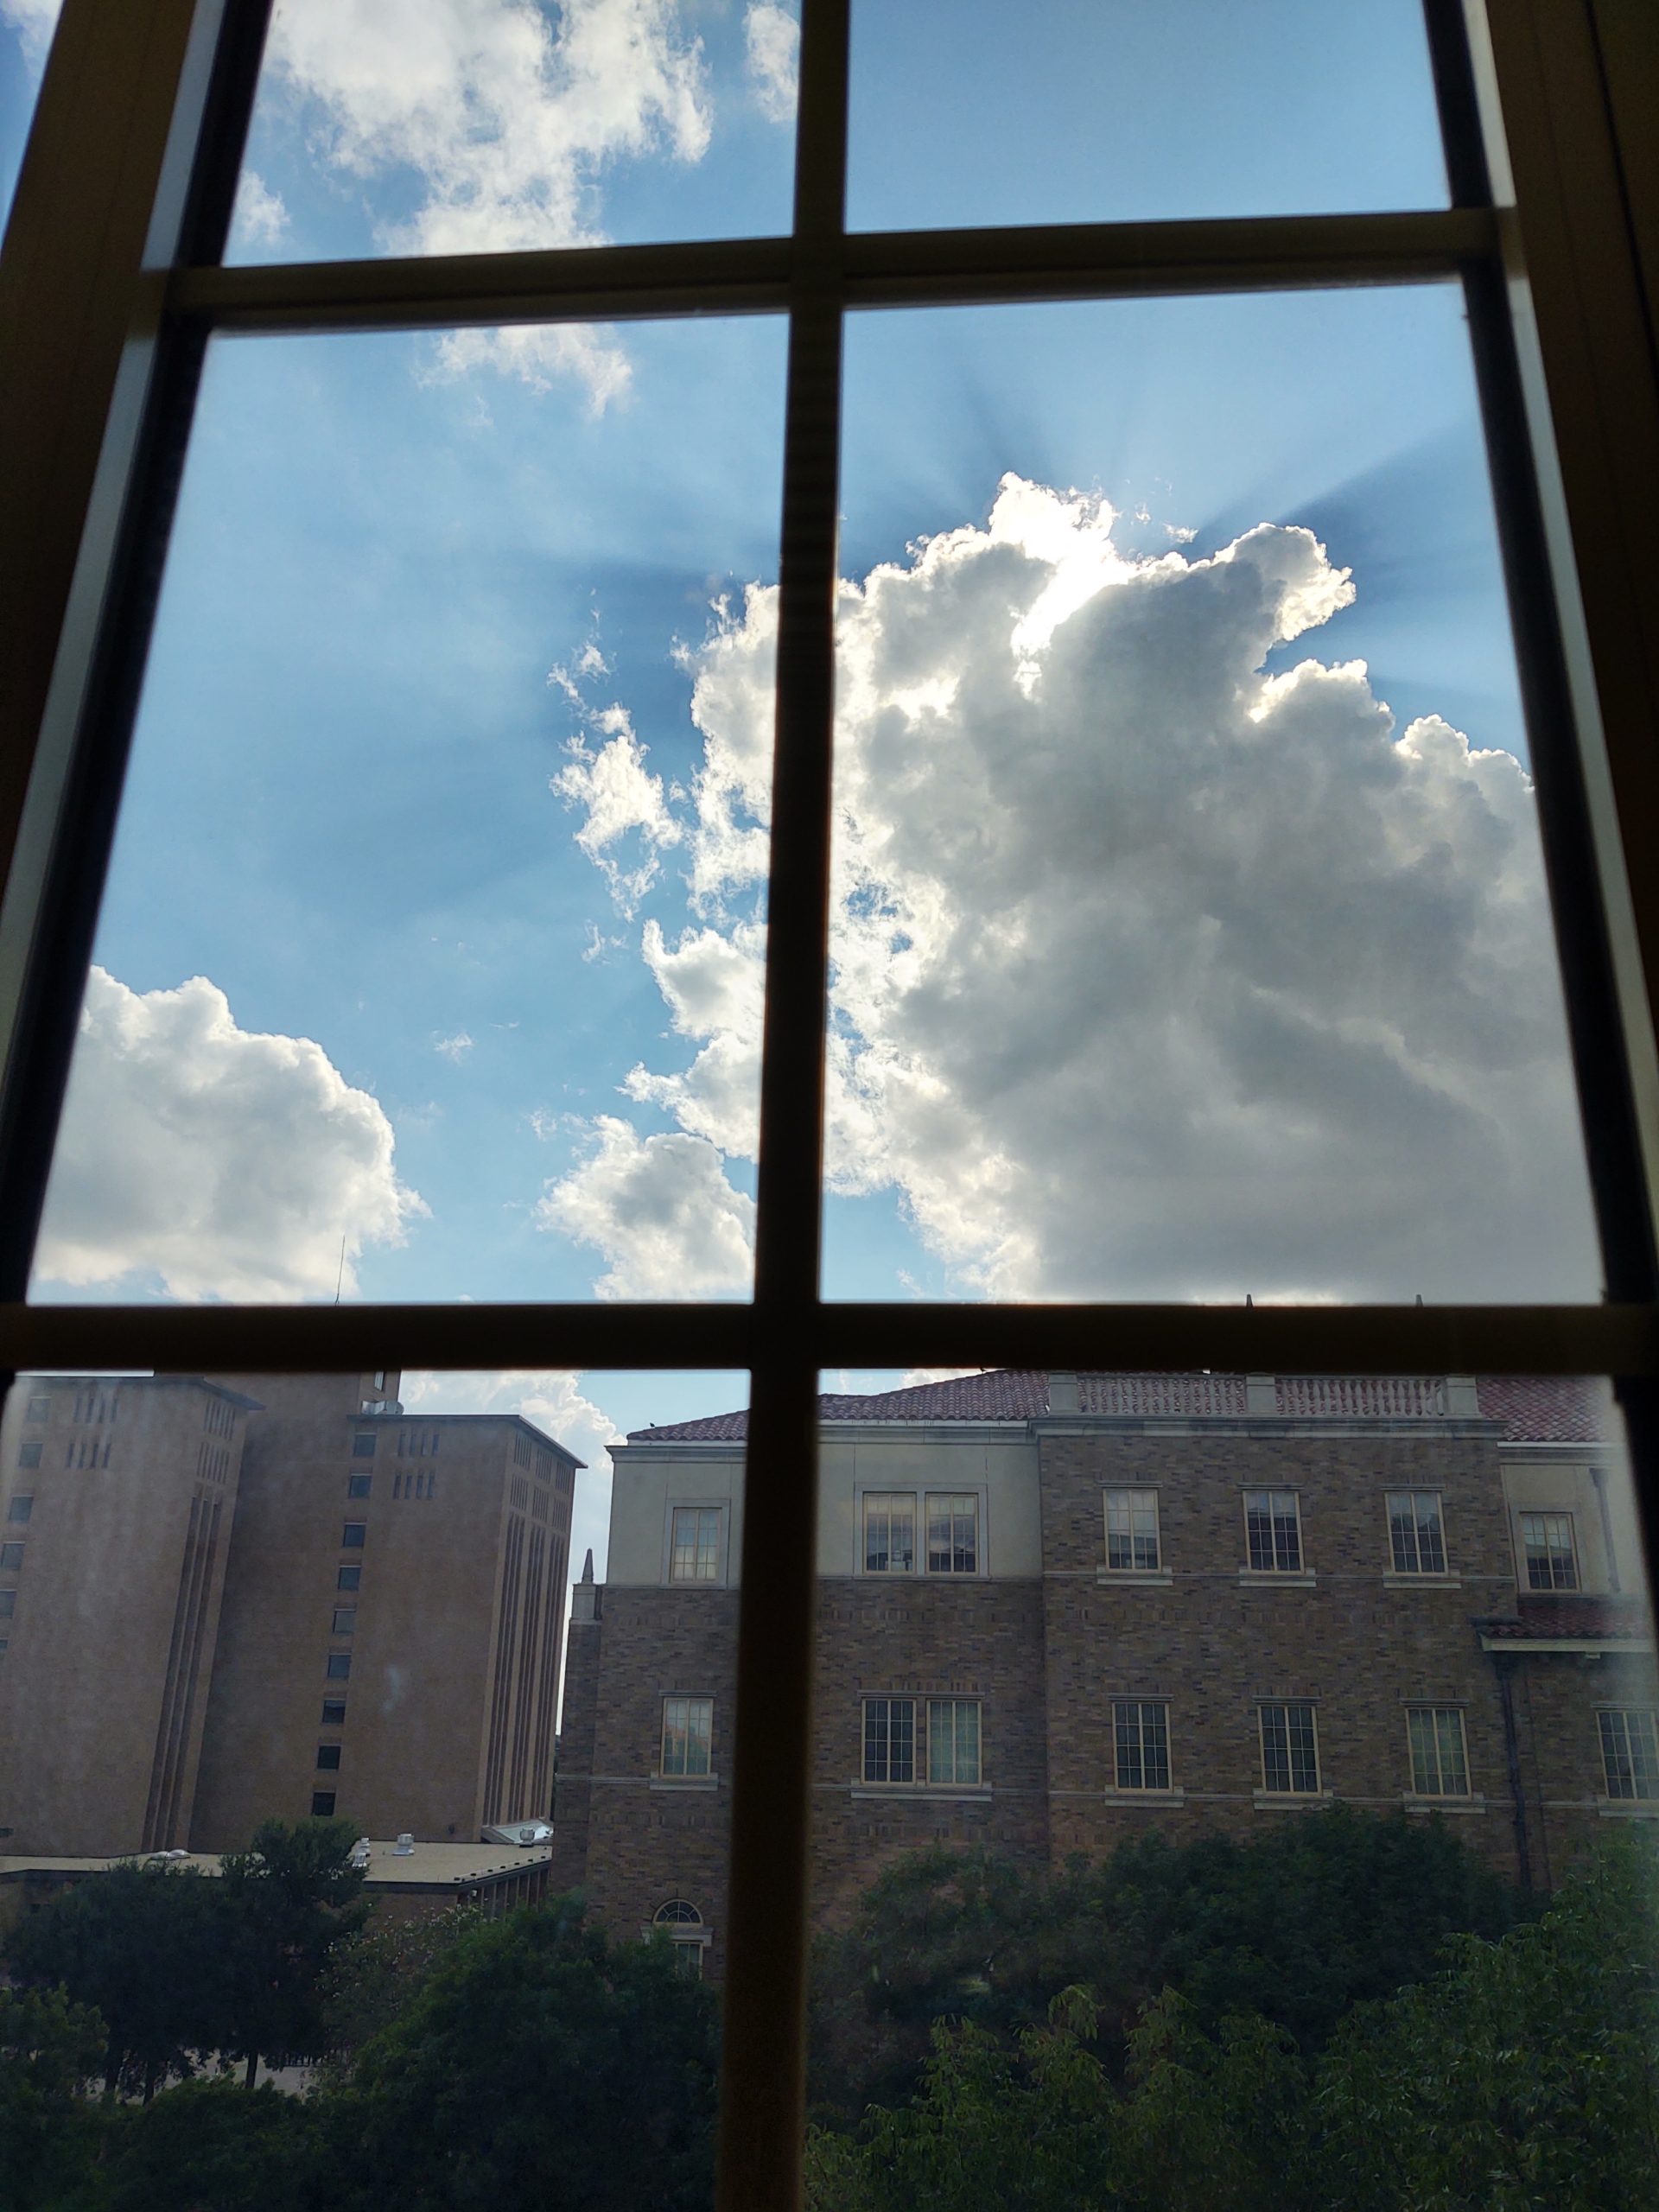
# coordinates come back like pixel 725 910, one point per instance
pixel 1354 2013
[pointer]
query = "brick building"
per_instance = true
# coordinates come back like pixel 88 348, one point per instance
pixel 225 1600
pixel 1056 1609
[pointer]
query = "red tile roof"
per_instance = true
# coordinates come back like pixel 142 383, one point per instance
pixel 1566 1615
pixel 1552 1409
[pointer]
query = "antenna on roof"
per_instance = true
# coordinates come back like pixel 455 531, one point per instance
pixel 1249 1301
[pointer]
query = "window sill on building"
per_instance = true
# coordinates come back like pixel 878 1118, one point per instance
pixel 1415 1804
pixel 1291 1800
pixel 1113 1796
pixel 1271 1578
pixel 1628 1809
pixel 927 1793
pixel 1392 1581
pixel 686 1782
pixel 1144 1578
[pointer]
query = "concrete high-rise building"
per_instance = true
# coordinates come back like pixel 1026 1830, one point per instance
pixel 309 1602
pixel 1057 1610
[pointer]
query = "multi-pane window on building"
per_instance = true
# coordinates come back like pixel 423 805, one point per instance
pixel 37 1409
pixel 890 1739
pixel 11 1558
pixel 349 1578
pixel 1140 1739
pixel 952 1533
pixel 1416 1534
pixel 688 1735
pixel 1546 1542
pixel 20 1508
pixel 1630 1753
pixel 28 1452
pixel 694 1547
pixel 1290 1750
pixel 1132 1531
pixel 327 1758
pixel 1273 1532
pixel 889 1532
pixel 339 1666
pixel 322 1804
pixel 353 1536
pixel 359 1485
pixel 363 1444
pixel 345 1620
pixel 953 1740
pixel 1439 1762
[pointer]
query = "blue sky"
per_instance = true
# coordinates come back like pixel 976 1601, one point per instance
pixel 1318 1054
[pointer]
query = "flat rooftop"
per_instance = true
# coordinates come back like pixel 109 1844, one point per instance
pixel 429 1865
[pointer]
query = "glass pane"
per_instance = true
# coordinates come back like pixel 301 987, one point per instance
pixel 1142 1938
pixel 408 854
pixel 1190 938
pixel 966 113
pixel 492 126
pixel 26 29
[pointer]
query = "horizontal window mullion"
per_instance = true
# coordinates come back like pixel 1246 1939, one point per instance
pixel 895 269
pixel 1280 1339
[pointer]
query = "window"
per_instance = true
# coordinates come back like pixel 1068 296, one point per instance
pixel 334 1713
pixel 8 1604
pixel 1440 1766
pixel 327 1758
pixel 951 1756
pixel 1140 1737
pixel 20 1508
pixel 889 1532
pixel 349 1578
pixel 1629 1754
pixel 28 1452
pixel 37 1409
pixel 359 1485
pixel 339 1666
pixel 1290 1753
pixel 694 1554
pixel 353 1536
pixel 683 1924
pixel 363 1444
pixel 344 1619
pixel 1416 1538
pixel 952 1533
pixel 1132 1531
pixel 11 1558
pixel 688 1735
pixel 322 1804
pixel 1274 1531
pixel 1546 1542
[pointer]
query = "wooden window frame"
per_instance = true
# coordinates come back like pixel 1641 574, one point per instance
pixel 110 283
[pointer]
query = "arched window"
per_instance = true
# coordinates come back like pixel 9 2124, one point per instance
pixel 676 1913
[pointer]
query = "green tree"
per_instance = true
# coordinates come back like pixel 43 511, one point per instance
pixel 288 1901
pixel 542 2062
pixel 371 1977
pixel 141 1945
pixel 49 2049
pixel 213 2146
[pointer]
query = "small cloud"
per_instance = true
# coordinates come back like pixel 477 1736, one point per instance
pixel 774 43
pixel 261 214
pixel 1178 534
pixel 660 1210
pixel 454 1049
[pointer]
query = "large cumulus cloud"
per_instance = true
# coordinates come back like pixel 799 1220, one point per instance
pixel 1157 974
pixel 228 1163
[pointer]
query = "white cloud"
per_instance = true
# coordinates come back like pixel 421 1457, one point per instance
pixel 228 1163
pixel 261 214
pixel 660 1210
pixel 774 51
pixel 33 20
pixel 503 117
pixel 454 1049
pixel 620 799
pixel 1156 975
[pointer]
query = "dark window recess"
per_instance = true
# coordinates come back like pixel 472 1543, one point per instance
pixel 329 1758
pixel 334 1713
pixel 344 1619
pixel 21 1507
pixel 8 1604
pixel 322 1804
pixel 349 1578
pixel 363 1444
pixel 37 1409
pixel 11 1558
pixel 28 1452
pixel 339 1666
pixel 359 1485
pixel 353 1536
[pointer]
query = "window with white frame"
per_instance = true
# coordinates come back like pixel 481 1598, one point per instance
pixel 1132 1545
pixel 889 1532
pixel 1290 1750
pixel 1416 1532
pixel 1273 1531
pixel 687 1736
pixel 1629 1751
pixel 694 1544
pixel 951 1522
pixel 952 1532
pixel 1546 1545
pixel 934 1740
pixel 1440 1758
pixel 1140 1743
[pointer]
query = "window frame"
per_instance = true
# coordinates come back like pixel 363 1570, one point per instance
pixel 921 1780
pixel 107 290
pixel 1417 1573
pixel 1624 1714
pixel 1160 1567
pixel 1436 1715
pixel 685 1772
pixel 1300 1569
pixel 720 1575
pixel 1267 1791
pixel 1575 1567
pixel 1118 1708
